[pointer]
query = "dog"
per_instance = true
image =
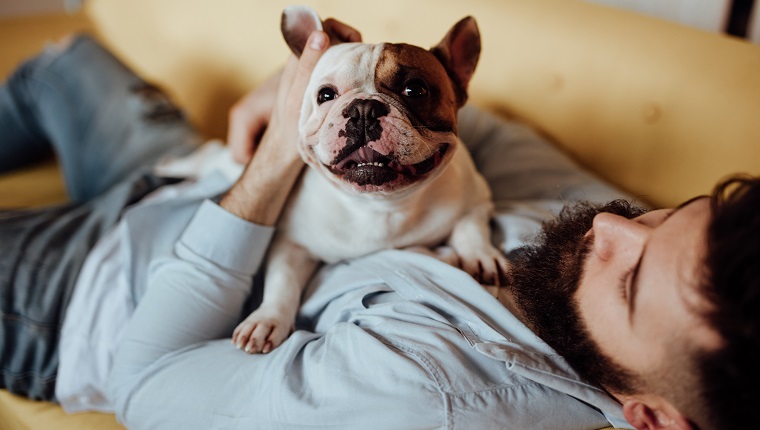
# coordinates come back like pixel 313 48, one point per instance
pixel 385 168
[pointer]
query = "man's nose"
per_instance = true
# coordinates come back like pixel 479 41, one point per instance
pixel 618 237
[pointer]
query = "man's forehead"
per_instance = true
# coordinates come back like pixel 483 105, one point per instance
pixel 686 235
pixel 684 232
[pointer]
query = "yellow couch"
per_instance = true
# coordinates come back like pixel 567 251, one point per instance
pixel 659 109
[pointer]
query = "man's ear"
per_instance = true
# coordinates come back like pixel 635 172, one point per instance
pixel 459 52
pixel 651 412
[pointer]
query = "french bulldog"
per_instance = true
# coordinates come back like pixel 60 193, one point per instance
pixel 385 168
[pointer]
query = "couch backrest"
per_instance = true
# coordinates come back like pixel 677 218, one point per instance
pixel 660 109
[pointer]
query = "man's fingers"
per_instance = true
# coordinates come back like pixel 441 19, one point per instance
pixel 299 69
pixel 239 135
pixel 316 45
pixel 247 121
pixel 288 74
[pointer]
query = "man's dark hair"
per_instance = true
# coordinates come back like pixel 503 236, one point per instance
pixel 730 374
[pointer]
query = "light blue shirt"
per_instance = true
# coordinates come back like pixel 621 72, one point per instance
pixel 392 340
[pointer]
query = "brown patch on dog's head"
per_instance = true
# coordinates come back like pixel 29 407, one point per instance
pixel 417 80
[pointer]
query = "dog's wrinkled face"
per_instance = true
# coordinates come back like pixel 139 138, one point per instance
pixel 378 118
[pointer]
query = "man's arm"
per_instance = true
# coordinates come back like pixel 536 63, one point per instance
pixel 260 193
pixel 197 294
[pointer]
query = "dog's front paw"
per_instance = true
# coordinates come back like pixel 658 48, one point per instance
pixel 262 331
pixel 486 264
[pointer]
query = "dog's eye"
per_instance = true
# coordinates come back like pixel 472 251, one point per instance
pixel 415 88
pixel 326 94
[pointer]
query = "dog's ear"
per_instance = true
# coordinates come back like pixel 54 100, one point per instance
pixel 299 21
pixel 459 52
pixel 297 24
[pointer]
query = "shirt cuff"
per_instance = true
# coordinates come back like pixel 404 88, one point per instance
pixel 226 239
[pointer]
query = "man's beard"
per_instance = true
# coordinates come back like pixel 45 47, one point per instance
pixel 544 279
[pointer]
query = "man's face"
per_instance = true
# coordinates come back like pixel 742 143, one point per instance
pixel 612 288
pixel 639 293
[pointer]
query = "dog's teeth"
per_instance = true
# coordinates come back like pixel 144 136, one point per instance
pixel 370 164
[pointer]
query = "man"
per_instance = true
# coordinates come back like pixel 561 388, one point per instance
pixel 392 340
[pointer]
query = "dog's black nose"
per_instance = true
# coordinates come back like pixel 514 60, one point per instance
pixel 365 109
pixel 363 125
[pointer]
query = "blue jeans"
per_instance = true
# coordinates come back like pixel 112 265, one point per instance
pixel 107 128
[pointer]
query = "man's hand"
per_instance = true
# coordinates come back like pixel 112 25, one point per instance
pixel 260 193
pixel 249 117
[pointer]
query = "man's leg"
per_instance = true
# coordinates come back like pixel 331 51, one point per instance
pixel 101 119
pixel 43 251
pixel 107 127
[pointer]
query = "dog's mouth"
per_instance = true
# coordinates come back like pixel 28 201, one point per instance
pixel 365 166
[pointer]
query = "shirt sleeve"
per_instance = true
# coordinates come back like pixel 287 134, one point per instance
pixel 195 294
pixel 344 378
pixel 177 368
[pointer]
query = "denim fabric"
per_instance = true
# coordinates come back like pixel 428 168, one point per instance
pixel 43 251
pixel 100 118
pixel 107 127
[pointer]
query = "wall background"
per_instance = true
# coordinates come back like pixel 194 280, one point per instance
pixel 710 15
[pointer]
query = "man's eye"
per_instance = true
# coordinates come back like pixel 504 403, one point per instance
pixel 326 94
pixel 623 283
pixel 415 88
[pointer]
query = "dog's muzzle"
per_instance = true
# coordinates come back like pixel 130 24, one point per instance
pixel 365 166
pixel 358 163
